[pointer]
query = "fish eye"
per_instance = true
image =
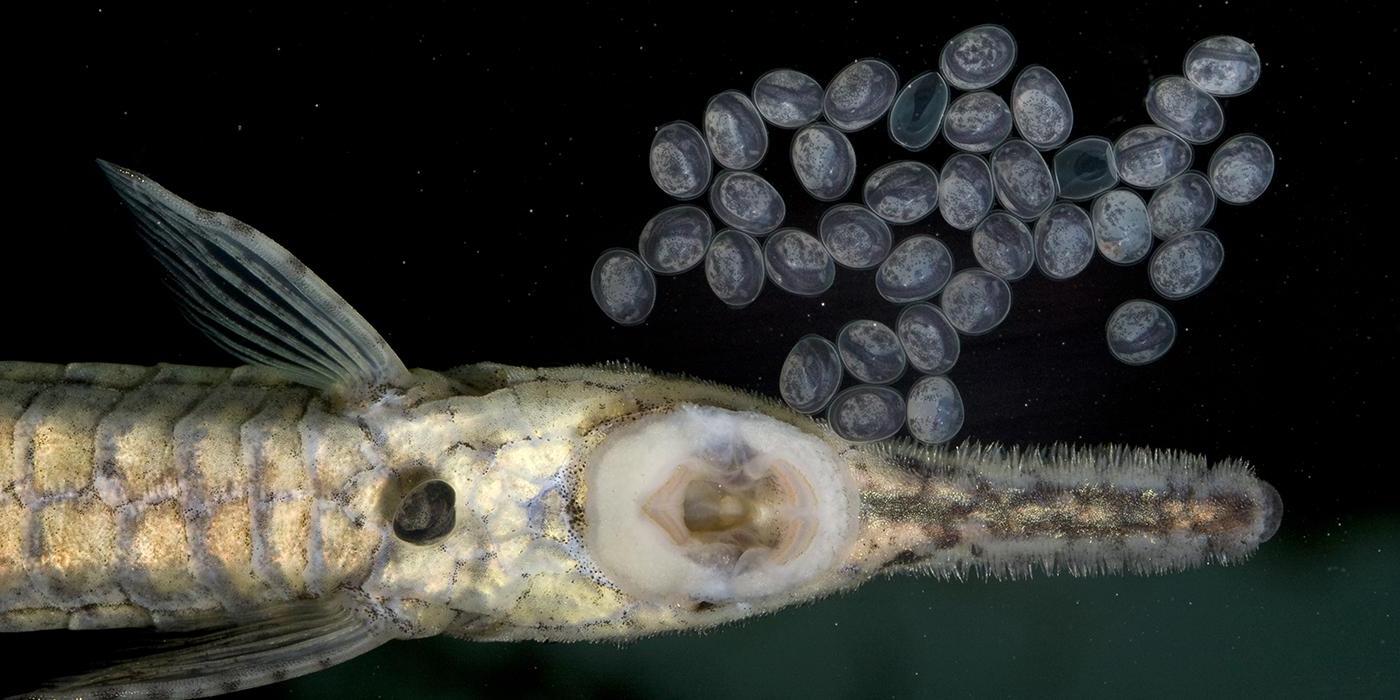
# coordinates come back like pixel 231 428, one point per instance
pixel 427 514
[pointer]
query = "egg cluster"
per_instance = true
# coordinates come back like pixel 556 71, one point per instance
pixel 1019 195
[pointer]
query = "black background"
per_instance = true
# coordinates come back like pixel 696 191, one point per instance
pixel 454 174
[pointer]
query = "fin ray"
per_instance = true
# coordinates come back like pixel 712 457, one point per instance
pixel 270 308
pixel 224 311
pixel 216 274
pixel 281 643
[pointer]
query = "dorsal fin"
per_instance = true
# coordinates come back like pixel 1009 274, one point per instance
pixel 255 299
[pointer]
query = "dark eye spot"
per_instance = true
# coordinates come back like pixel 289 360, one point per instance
pixel 427 513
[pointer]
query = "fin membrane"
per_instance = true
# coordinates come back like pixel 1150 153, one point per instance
pixel 291 642
pixel 255 299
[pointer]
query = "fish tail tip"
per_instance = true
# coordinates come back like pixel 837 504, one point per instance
pixel 1273 511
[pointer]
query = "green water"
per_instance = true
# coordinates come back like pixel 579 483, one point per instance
pixel 1308 616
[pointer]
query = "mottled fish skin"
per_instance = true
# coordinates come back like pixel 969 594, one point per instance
pixel 264 492
pixel 134 496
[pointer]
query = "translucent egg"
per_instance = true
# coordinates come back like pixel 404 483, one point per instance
pixel 811 374
pixel 1185 265
pixel 746 201
pixel 978 57
pixel 871 352
pixel 1064 241
pixel 860 94
pixel 734 268
pixel 675 240
pixel 680 161
pixel 976 301
pixel 1004 246
pixel 1241 169
pixel 916 269
pixel 917 113
pixel 1121 229
pixel 1140 332
pixel 798 263
pixel 965 190
pixel 1041 108
pixel 934 411
pixel 734 131
pixel 1024 185
pixel 623 286
pixel 1185 203
pixel 866 413
pixel 824 161
pixel 902 192
pixel 930 342
pixel 1086 168
pixel 854 236
pixel 1176 104
pixel 788 98
pixel 1148 156
pixel 977 122
pixel 1224 66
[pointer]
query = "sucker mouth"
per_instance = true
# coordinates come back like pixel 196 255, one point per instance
pixel 705 503
pixel 734 517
